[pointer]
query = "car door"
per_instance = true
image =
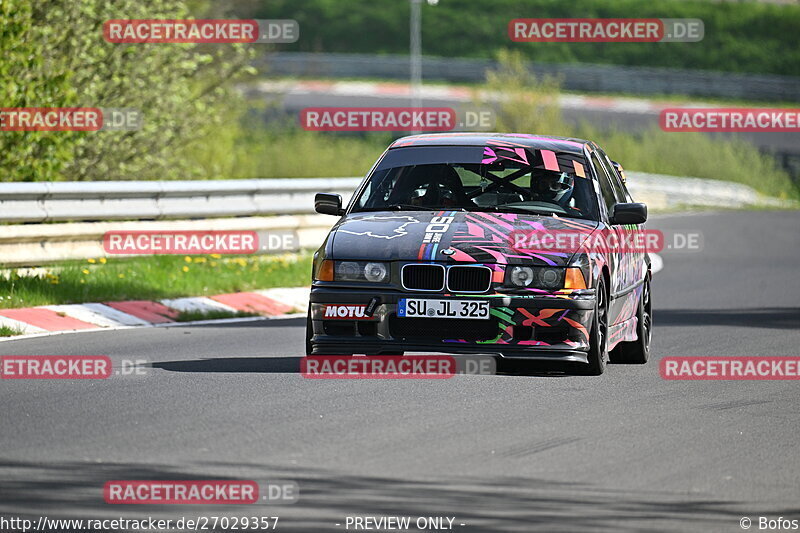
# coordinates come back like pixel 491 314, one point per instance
pixel 622 266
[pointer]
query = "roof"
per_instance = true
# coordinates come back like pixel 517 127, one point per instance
pixel 525 140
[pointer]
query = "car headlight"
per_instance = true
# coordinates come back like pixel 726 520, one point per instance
pixel 376 272
pixel 536 277
pixel 373 272
pixel 521 276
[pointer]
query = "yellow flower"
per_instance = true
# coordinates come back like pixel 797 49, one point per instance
pixel 103 260
pixel 186 269
pixel 120 276
pixel 85 270
pixel 215 256
pixel 187 259
pixel 213 263
pixel 200 260
pixel 91 260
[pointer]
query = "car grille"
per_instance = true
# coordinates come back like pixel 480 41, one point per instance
pixel 469 279
pixel 423 277
pixel 431 277
pixel 435 329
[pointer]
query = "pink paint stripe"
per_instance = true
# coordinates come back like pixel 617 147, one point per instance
pixel 152 312
pixel 253 303
pixel 494 220
pixel 45 319
pixel 550 161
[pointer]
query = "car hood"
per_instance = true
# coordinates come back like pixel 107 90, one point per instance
pixel 446 236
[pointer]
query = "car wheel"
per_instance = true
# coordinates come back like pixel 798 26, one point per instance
pixel 598 336
pixel 638 352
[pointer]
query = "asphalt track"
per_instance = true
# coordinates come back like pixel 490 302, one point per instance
pixel 627 451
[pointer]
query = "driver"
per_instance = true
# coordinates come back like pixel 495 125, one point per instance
pixel 551 186
pixel 434 186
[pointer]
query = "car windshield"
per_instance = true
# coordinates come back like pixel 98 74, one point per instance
pixel 496 179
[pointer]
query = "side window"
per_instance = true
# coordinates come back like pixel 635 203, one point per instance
pixel 616 181
pixel 606 188
pixel 362 201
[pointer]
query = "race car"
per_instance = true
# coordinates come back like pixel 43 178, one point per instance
pixel 427 255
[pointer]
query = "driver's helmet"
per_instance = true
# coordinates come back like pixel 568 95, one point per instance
pixel 436 186
pixel 551 186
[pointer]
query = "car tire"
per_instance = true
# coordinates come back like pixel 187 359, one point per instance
pixel 598 336
pixel 638 352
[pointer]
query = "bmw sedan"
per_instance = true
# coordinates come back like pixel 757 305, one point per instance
pixel 441 249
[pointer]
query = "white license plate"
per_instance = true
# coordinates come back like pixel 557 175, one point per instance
pixel 428 308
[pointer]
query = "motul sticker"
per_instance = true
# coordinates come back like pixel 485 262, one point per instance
pixel 345 312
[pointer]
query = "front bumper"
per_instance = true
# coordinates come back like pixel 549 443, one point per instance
pixel 531 326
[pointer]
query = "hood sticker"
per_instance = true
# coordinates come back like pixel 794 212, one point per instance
pixel 398 231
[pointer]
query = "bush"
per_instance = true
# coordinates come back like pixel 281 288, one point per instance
pixel 54 55
pixel 739 36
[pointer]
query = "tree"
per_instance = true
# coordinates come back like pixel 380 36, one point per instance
pixel 54 55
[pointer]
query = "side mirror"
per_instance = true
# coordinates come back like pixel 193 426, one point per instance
pixel 632 213
pixel 328 204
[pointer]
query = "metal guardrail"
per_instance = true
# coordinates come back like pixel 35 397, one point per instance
pixel 574 76
pixel 163 200
pixel 156 200
pixel 87 210
pixel 670 191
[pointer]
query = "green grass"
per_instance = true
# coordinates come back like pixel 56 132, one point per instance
pixel 257 152
pixel 694 155
pixel 6 331
pixel 194 316
pixel 530 105
pixel 261 154
pixel 243 147
pixel 151 278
